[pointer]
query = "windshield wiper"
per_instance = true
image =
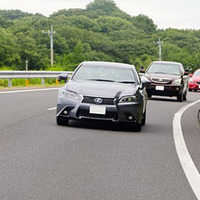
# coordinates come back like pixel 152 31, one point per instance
pixel 126 82
pixel 105 80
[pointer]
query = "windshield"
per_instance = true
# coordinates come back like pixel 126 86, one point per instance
pixel 197 73
pixel 162 68
pixel 105 73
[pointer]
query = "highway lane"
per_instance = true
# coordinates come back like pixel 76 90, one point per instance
pixel 191 132
pixel 89 160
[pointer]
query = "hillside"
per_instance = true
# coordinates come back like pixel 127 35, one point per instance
pixel 100 32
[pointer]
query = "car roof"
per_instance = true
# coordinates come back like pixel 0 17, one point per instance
pixel 167 62
pixel 102 63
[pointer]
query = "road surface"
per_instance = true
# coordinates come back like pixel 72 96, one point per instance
pixel 92 160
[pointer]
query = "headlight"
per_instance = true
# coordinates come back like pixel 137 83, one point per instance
pixel 177 82
pixel 191 80
pixel 128 99
pixel 69 94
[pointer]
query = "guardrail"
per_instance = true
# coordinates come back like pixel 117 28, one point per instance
pixel 31 74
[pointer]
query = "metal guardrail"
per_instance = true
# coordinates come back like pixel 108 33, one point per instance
pixel 30 74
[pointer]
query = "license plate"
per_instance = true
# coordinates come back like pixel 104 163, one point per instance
pixel 158 87
pixel 199 86
pixel 101 110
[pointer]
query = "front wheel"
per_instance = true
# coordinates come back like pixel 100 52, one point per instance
pixel 138 127
pixel 149 95
pixel 180 98
pixel 144 118
pixel 185 97
pixel 62 121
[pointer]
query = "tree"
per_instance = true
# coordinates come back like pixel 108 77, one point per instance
pixel 145 23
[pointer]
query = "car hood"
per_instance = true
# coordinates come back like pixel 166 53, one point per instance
pixel 169 76
pixel 196 78
pixel 101 89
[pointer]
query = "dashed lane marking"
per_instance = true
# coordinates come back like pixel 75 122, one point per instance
pixel 54 108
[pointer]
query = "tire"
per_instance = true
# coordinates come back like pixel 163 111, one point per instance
pixel 62 121
pixel 185 97
pixel 149 95
pixel 138 127
pixel 180 98
pixel 195 90
pixel 144 118
pixel 190 90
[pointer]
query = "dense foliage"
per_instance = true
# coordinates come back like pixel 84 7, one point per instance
pixel 100 32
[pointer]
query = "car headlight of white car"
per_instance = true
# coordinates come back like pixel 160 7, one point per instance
pixel 177 82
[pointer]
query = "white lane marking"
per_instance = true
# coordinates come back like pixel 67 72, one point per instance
pixel 32 90
pixel 186 161
pixel 54 108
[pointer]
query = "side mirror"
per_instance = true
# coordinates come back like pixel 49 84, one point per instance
pixel 142 71
pixel 190 75
pixel 145 82
pixel 63 77
pixel 186 73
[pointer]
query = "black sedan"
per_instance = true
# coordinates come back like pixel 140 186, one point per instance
pixel 103 91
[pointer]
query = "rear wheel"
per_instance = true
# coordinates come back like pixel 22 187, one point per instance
pixel 62 121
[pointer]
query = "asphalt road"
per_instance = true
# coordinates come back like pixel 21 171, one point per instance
pixel 91 160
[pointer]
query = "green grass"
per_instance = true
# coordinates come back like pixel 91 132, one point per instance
pixel 34 82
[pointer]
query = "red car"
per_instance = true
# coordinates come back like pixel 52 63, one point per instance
pixel 194 81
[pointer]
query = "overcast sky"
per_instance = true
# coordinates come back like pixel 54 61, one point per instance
pixel 181 14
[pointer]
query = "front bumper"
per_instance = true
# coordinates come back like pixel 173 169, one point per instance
pixel 168 90
pixel 74 109
pixel 194 86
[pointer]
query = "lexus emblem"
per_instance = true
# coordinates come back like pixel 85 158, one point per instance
pixel 98 100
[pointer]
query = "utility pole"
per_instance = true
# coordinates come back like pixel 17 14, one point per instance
pixel 26 65
pixel 159 43
pixel 50 34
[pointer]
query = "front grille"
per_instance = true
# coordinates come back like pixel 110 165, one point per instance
pixel 90 100
pixel 107 116
pixel 160 80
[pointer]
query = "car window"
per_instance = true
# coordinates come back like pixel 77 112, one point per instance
pixel 164 68
pixel 197 73
pixel 107 73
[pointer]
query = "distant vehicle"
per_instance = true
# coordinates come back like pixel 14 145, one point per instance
pixel 167 79
pixel 194 81
pixel 103 91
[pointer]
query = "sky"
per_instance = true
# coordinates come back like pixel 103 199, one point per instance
pixel 180 14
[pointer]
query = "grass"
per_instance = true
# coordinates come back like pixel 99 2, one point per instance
pixel 32 83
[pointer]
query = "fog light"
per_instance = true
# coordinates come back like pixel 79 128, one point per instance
pixel 65 112
pixel 130 117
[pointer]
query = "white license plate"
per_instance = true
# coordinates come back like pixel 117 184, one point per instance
pixel 101 110
pixel 199 86
pixel 158 87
